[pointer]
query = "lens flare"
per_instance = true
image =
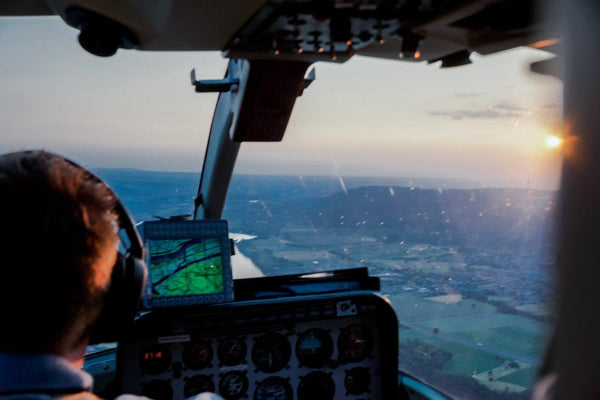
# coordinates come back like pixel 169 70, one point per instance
pixel 553 141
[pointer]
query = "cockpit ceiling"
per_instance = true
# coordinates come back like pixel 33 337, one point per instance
pixel 312 30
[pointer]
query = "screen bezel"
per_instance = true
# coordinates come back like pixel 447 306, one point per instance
pixel 195 229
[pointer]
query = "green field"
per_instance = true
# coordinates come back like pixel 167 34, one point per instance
pixel 487 331
pixel 466 361
pixel 424 311
pixel 511 338
pixel 475 322
pixel 466 315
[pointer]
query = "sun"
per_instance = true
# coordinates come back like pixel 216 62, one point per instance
pixel 553 142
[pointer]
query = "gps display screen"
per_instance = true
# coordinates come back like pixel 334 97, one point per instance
pixel 185 267
pixel 188 263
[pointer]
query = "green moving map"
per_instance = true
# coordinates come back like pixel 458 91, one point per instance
pixel 185 267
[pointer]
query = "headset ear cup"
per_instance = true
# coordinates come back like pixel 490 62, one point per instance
pixel 139 273
pixel 121 301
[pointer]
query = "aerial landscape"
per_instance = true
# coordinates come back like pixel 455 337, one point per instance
pixel 468 269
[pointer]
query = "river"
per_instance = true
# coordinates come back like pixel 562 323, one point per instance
pixel 242 266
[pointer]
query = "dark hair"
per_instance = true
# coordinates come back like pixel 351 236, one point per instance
pixel 59 228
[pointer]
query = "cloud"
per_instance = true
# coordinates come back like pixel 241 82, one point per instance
pixel 508 106
pixel 504 109
pixel 475 114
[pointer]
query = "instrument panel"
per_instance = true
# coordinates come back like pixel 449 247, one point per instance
pixel 317 347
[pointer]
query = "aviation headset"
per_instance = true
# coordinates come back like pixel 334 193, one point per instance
pixel 128 277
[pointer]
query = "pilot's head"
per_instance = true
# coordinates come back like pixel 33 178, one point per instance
pixel 59 247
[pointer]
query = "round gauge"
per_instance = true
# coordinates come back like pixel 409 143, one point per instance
pixel 233 385
pixel 317 385
pixel 271 352
pixel 232 351
pixel 355 343
pixel 157 389
pixel 357 380
pixel 197 355
pixel 154 359
pixel 314 348
pixel 273 388
pixel 198 384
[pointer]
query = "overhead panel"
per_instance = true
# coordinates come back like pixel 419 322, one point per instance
pixel 411 30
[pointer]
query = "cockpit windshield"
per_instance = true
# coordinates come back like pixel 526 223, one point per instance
pixel 442 182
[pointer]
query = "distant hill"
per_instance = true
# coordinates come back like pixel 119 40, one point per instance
pixel 502 219
pixel 516 217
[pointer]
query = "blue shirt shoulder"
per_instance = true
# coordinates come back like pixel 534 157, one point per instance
pixel 25 376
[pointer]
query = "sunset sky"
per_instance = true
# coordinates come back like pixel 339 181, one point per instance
pixel 487 122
